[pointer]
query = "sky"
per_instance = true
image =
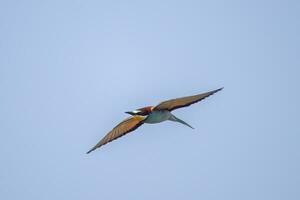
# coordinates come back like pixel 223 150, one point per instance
pixel 70 69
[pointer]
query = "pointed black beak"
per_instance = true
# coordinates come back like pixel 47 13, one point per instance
pixel 130 113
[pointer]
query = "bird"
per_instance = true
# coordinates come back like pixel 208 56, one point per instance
pixel 151 115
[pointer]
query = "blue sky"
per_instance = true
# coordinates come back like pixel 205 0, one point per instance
pixel 70 69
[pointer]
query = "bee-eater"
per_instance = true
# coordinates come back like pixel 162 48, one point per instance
pixel 152 115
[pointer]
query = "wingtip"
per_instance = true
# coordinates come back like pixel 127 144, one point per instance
pixel 90 150
pixel 217 90
pixel 220 89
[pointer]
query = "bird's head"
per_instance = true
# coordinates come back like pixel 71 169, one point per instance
pixel 141 111
pixel 134 112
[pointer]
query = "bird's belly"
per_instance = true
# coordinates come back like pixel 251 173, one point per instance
pixel 157 117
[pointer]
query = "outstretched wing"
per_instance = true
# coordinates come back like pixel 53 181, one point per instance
pixel 183 101
pixel 126 126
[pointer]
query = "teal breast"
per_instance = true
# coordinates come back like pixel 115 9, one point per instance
pixel 157 117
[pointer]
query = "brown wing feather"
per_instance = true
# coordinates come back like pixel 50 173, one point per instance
pixel 183 101
pixel 126 126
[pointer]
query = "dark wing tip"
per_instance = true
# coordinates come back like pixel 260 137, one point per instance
pixel 93 149
pixel 217 90
pixel 213 92
pixel 89 151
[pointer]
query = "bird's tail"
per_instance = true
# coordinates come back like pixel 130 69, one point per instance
pixel 175 119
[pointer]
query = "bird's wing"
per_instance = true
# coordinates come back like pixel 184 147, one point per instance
pixel 183 101
pixel 126 126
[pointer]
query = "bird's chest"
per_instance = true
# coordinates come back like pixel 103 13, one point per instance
pixel 157 117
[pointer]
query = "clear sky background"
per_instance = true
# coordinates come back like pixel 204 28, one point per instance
pixel 70 69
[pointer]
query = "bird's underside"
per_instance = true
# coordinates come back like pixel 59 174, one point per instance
pixel 152 115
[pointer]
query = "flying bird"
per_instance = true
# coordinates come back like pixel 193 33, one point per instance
pixel 151 115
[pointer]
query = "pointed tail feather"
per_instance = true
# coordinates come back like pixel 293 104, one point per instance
pixel 175 119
